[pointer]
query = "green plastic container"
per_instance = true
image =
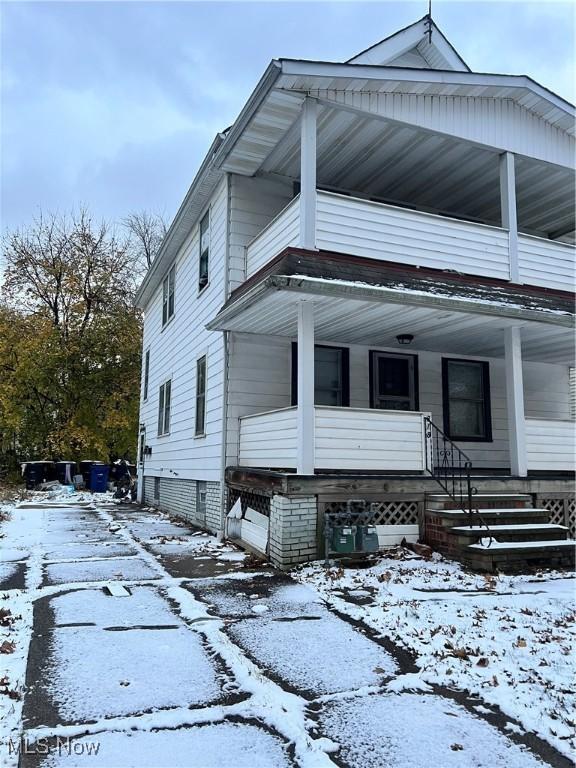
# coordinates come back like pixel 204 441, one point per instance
pixel 343 538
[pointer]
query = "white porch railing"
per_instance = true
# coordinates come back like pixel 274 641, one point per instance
pixel 345 438
pixel 282 231
pixel 546 262
pixel 550 444
pixel 390 233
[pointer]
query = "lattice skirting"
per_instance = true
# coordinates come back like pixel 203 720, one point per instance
pixel 562 511
pixel 403 512
pixel 256 501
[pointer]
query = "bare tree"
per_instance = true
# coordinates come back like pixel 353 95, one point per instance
pixel 147 230
pixel 71 267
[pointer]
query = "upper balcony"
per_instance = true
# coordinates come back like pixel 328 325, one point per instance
pixel 359 227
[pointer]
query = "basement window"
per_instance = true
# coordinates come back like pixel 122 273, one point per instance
pixel 466 399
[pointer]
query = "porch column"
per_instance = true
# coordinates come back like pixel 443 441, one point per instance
pixel 305 418
pixel 515 401
pixel 508 211
pixel 308 174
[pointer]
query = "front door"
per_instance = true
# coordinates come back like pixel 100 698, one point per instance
pixel 393 384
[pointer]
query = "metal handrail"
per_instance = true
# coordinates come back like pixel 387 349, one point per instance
pixel 449 466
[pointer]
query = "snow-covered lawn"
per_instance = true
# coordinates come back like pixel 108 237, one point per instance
pixel 508 639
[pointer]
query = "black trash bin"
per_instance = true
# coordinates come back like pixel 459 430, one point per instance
pixel 65 471
pixel 36 472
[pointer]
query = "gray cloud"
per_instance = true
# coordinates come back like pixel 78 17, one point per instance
pixel 114 104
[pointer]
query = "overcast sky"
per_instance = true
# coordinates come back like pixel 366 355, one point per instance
pixel 114 104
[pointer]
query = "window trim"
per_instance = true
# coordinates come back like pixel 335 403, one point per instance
pixel 197 396
pixel 166 296
pixel 487 421
pixel 202 288
pixel 146 382
pixel 416 383
pixel 345 352
pixel 163 409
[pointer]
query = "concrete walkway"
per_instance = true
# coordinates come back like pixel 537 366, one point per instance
pixel 199 660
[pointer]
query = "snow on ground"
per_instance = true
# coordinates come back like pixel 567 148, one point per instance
pixel 245 747
pixel 381 727
pixel 508 639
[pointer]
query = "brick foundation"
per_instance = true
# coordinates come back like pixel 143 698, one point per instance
pixel 292 530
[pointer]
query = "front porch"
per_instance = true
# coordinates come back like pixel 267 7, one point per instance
pixel 386 442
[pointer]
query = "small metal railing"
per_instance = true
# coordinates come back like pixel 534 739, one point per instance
pixel 449 466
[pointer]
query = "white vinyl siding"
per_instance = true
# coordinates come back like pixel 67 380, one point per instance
pixel 254 203
pixel 550 444
pixel 546 262
pixel 389 233
pixel 174 350
pixel 281 232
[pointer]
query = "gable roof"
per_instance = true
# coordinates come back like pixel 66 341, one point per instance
pixel 420 45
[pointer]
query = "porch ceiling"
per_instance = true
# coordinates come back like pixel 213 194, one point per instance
pixel 403 164
pixel 352 319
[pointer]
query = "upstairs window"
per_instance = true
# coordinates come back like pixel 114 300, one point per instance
pixel 200 396
pixel 168 287
pixel 466 396
pixel 164 401
pixel 146 373
pixel 204 251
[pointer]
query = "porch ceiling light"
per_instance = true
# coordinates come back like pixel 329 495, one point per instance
pixel 405 338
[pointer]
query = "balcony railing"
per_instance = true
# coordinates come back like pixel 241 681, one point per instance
pixel 389 233
pixel 345 439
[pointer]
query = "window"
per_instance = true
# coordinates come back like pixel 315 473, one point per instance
pixel 142 446
pixel 200 396
pixel 168 286
pixel 204 251
pixel 466 395
pixel 164 399
pixel 156 489
pixel 331 375
pixel 146 373
pixel 201 500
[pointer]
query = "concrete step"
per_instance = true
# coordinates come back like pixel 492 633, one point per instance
pixel 481 500
pixel 495 516
pixel 512 533
pixel 517 556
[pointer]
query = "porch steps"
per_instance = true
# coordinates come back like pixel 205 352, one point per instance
pixel 521 535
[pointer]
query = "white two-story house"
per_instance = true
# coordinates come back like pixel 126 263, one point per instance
pixel 366 294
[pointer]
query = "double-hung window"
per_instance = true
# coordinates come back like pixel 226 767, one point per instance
pixel 164 401
pixel 200 428
pixel 466 390
pixel 331 375
pixel 204 251
pixel 146 373
pixel 168 289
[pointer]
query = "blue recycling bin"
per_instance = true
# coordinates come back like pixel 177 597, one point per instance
pixel 99 478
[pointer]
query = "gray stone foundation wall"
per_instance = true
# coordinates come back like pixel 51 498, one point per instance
pixel 179 497
pixel 293 533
